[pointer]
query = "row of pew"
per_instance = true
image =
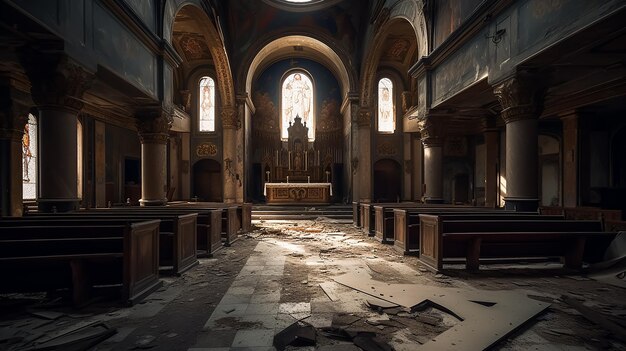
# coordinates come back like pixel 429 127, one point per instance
pixel 440 234
pixel 126 248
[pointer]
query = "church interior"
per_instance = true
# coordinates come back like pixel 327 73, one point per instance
pixel 312 174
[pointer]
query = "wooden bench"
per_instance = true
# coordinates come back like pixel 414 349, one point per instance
pixel 177 238
pixel 407 222
pixel 442 238
pixel 209 223
pixel 578 213
pixel 234 217
pixel 44 258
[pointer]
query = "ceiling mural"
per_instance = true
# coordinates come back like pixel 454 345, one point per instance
pixel 340 22
pixel 399 49
pixel 192 45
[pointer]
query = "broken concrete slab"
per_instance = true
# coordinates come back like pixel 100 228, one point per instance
pixel 297 334
pixel 480 326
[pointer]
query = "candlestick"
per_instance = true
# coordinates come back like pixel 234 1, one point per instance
pixel 287 179
pixel 327 174
pixel 268 176
pixel 308 179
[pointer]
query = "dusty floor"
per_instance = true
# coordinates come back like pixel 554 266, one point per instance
pixel 273 277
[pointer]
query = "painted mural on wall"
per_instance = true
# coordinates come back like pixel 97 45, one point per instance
pixel 542 18
pixel 468 65
pixel 325 99
pixel 145 10
pixel 122 52
pixel 449 16
pixel 339 22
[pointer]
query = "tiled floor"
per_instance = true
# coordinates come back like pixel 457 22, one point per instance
pixel 253 300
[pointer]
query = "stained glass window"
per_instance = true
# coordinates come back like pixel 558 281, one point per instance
pixel 29 159
pixel 386 107
pixel 206 104
pixel 297 100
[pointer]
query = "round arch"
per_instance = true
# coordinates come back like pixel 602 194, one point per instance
pixel 371 60
pixel 282 47
pixel 195 11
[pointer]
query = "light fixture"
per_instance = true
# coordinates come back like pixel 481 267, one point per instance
pixel 497 36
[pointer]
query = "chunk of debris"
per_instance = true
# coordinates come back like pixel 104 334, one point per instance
pixel 429 319
pixel 81 336
pixel 297 334
pixel 369 343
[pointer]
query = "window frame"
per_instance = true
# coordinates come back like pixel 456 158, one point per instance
pixel 393 105
pixel 312 126
pixel 199 104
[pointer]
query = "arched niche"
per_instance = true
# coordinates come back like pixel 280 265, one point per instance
pixel 207 180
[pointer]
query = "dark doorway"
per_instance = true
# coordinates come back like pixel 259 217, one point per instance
pixel 132 180
pixel 207 180
pixel 387 180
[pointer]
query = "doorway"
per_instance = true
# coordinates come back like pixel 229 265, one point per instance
pixel 207 181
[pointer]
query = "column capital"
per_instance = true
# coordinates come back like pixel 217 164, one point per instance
pixel 431 129
pixel 230 119
pixel 57 81
pixel 153 126
pixel 364 117
pixel 521 96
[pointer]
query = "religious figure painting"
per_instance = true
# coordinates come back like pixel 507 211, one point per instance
pixel 297 100
pixel 386 120
pixel 207 105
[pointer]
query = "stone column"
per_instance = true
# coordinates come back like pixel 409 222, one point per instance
pixel 416 161
pixel 492 146
pixel 230 124
pixel 58 85
pixel 365 154
pixel 520 100
pixel 13 117
pixel 153 127
pixel 570 159
pixel 432 140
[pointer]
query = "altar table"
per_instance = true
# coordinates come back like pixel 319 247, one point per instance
pixel 298 193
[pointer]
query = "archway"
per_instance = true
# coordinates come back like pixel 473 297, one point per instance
pixel 263 74
pixel 207 180
pixel 387 180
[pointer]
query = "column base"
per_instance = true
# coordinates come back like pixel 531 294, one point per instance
pixel 521 204
pixel 153 202
pixel 58 205
pixel 433 200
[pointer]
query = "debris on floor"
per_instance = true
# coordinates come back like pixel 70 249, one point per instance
pixel 485 317
pixel 298 334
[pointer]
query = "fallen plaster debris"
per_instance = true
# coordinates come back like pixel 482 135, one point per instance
pixel 297 334
pixel 601 319
pixel 485 316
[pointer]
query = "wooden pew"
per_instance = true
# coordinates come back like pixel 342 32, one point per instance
pixel 43 258
pixel 232 216
pixel 442 237
pixel 407 222
pixel 178 236
pixel 209 223
pixel 583 212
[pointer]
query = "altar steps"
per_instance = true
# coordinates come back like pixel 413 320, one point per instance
pixel 334 212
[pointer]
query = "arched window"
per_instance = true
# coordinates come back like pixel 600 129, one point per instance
pixel 206 105
pixel 386 106
pixel 297 100
pixel 29 159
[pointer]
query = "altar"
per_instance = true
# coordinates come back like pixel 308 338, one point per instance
pixel 298 193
